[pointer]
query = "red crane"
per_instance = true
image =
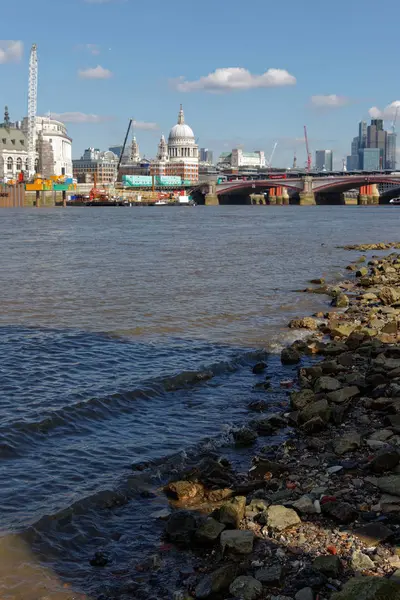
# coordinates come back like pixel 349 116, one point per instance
pixel 309 161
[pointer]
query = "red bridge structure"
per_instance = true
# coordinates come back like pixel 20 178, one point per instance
pixel 306 190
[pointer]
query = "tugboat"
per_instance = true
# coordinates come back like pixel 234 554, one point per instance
pixel 394 201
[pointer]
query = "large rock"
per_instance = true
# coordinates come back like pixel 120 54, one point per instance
pixel 316 409
pixel 341 301
pixel 361 561
pixel 386 460
pixel 369 588
pixel 237 541
pixel 280 518
pixel 264 466
pixel 328 565
pixel 342 512
pixel 342 330
pixel 216 582
pixel 389 295
pixel 306 593
pixel 389 484
pixel 184 491
pixel 231 513
pixel 343 395
pixel 300 400
pixel 305 323
pixel 347 443
pixel 269 575
pixel 181 527
pixel 209 531
pixel 305 505
pixel 314 425
pixel 244 436
pixel 246 588
pixel 373 533
pixel 326 384
pixel 290 356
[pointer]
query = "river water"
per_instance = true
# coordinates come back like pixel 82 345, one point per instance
pixel 107 318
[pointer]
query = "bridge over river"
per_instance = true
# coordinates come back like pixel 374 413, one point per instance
pixel 305 190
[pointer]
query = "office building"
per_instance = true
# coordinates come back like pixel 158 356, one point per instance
pixel 93 163
pixel 247 159
pixel 324 160
pixel 352 162
pixel 206 156
pixel 362 136
pixel 369 159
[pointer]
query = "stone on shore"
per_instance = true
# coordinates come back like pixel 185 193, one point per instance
pixel 369 588
pixel 181 527
pixel 305 594
pixel 244 437
pixel 209 531
pixel 361 561
pixel 269 575
pixel 347 443
pixel 300 400
pixel 389 484
pixel 344 394
pixel 246 587
pixel 280 518
pixel 305 323
pixel 316 409
pixel 388 295
pixel 385 460
pixel 305 505
pixel 314 425
pixel 259 368
pixel 330 566
pixel 231 513
pixel 342 512
pixel 238 541
pixel 216 582
pixel 184 491
pixel 326 384
pixel 290 356
pixel 341 301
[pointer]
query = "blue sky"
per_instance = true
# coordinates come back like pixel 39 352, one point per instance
pixel 154 55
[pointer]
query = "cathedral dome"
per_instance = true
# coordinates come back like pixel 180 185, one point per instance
pixel 181 133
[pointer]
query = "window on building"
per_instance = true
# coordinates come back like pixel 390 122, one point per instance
pixel 26 164
pixel 13 142
pixel 19 164
pixel 4 140
pixel 10 163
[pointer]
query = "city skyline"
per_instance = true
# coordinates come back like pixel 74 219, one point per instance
pixel 95 77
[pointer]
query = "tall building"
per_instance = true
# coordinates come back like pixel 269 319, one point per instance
pixel 362 135
pixel 206 156
pixel 352 162
pixel 55 133
pixel 180 157
pixel 376 138
pixel 370 159
pixel 135 154
pixel 324 160
pixel 391 142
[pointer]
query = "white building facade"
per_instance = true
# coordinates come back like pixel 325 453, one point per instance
pixel 55 132
pixel 247 159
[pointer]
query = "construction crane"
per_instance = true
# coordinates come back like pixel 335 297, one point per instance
pixel 269 162
pixel 124 146
pixel 309 160
pixel 32 108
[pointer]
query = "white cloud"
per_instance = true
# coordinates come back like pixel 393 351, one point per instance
pixel 235 78
pixel 95 73
pixel 11 51
pixel 78 117
pixel 329 101
pixel 144 126
pixel 387 113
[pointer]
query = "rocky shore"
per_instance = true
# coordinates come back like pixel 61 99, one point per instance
pixel 316 517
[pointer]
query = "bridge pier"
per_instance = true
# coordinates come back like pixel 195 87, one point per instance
pixel 285 196
pixel 211 198
pixel 272 196
pixel 307 196
pixel 375 193
pixel 366 195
